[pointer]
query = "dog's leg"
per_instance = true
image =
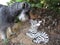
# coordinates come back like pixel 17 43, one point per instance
pixel 10 31
pixel 3 33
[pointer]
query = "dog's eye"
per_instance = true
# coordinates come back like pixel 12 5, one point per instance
pixel 23 5
pixel 26 5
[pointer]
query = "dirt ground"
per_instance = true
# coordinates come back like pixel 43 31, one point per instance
pixel 22 39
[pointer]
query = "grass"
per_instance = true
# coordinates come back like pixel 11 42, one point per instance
pixel 6 41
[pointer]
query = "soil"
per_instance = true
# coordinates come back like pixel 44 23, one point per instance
pixel 21 28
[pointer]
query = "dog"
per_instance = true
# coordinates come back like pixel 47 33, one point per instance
pixel 9 13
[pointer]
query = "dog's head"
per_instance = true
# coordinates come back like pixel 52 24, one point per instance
pixel 22 5
pixel 23 16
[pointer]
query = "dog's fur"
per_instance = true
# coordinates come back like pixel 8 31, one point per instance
pixel 8 15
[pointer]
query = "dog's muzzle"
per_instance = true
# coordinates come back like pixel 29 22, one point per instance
pixel 23 17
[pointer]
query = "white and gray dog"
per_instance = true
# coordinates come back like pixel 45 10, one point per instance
pixel 9 13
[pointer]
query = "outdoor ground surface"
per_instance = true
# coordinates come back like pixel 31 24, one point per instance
pixel 22 39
